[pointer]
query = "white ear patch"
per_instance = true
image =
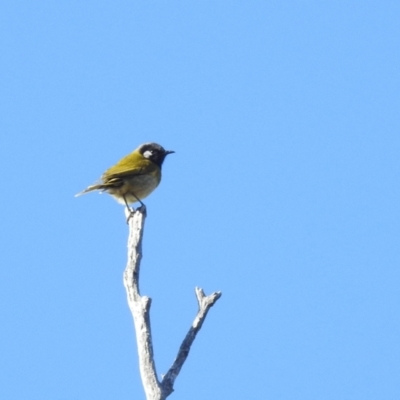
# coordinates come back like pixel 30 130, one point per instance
pixel 147 154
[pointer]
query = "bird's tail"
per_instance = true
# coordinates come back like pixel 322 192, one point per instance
pixel 89 189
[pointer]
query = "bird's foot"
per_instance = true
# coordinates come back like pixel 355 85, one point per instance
pixel 142 209
pixel 130 212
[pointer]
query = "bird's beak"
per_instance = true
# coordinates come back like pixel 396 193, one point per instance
pixel 169 152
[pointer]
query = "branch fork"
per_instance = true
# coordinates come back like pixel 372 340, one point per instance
pixel 140 309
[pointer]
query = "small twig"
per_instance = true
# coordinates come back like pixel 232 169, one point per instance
pixel 205 303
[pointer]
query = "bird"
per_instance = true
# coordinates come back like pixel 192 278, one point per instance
pixel 134 177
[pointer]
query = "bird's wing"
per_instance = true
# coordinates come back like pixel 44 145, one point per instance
pixel 124 168
pixel 114 176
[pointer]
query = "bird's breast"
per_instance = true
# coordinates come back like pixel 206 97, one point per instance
pixel 139 186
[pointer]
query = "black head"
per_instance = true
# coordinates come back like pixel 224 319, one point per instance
pixel 154 152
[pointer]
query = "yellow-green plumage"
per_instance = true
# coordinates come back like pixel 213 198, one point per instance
pixel 135 176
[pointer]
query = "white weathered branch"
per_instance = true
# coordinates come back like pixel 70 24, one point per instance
pixel 205 303
pixel 140 309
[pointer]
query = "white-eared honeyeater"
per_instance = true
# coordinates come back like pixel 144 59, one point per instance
pixel 135 176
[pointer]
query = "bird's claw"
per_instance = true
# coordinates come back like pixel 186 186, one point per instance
pixel 130 212
pixel 143 210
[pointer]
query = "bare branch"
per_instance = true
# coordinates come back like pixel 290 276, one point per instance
pixel 140 309
pixel 205 303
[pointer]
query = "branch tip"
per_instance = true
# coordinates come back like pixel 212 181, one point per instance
pixel 206 301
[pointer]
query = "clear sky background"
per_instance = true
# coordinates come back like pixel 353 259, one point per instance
pixel 283 194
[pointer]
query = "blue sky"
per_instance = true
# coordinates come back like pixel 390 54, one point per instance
pixel 283 194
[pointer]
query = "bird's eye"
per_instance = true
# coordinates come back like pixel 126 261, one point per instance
pixel 147 154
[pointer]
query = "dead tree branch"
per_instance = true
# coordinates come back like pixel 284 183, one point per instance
pixel 140 309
